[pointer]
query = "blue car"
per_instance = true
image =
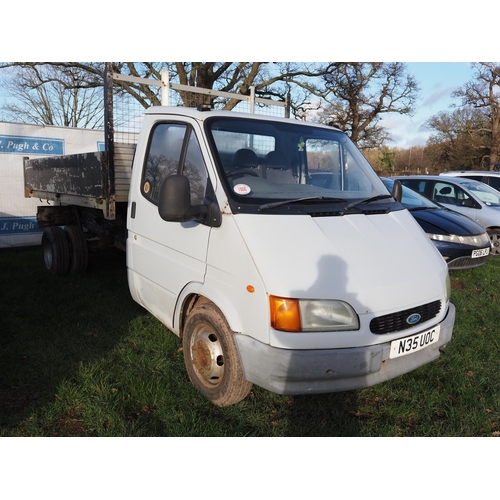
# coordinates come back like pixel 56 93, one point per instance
pixel 463 243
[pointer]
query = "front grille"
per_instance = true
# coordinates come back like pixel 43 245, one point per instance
pixel 467 262
pixel 396 322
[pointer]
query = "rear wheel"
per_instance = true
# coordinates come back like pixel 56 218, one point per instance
pixel 55 251
pixel 495 241
pixel 78 250
pixel 211 357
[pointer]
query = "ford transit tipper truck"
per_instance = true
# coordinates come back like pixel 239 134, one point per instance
pixel 269 245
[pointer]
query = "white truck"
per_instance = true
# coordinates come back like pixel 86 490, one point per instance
pixel 269 245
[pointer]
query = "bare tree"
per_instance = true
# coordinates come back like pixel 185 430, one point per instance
pixel 358 94
pixel 272 80
pixel 483 93
pixel 51 97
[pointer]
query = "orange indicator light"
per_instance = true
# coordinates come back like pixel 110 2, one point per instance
pixel 285 314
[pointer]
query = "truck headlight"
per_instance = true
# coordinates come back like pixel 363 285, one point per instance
pixel 294 315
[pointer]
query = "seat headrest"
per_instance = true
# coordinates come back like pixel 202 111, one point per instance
pixel 245 158
pixel 276 159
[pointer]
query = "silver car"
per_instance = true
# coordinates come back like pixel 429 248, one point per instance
pixel 487 176
pixel 475 199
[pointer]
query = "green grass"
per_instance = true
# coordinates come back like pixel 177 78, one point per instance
pixel 79 358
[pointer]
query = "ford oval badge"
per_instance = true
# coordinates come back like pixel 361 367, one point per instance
pixel 413 319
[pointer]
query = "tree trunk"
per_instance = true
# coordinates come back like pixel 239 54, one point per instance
pixel 495 136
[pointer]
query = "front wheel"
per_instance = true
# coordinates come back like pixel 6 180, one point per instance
pixel 494 235
pixel 211 357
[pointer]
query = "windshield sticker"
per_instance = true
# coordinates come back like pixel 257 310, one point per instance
pixel 301 145
pixel 242 189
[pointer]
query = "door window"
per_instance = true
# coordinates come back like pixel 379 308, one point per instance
pixel 174 149
pixel 494 182
pixel 415 184
pixel 449 193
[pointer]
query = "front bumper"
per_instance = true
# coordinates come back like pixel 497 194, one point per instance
pixel 459 256
pixel 285 371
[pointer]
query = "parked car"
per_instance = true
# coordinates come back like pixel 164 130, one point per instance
pixel 485 176
pixel 472 198
pixel 463 243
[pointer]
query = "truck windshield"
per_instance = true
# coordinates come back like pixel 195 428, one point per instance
pixel 270 164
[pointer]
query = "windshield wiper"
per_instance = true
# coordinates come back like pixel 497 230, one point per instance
pixel 275 204
pixel 367 200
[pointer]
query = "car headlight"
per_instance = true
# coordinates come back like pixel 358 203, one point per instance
pixel 476 240
pixel 300 315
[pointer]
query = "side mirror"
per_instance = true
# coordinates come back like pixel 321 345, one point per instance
pixel 397 191
pixel 175 203
pixel 469 203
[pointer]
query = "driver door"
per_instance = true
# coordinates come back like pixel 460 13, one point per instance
pixel 166 256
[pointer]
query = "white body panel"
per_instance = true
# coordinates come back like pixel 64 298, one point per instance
pixel 353 258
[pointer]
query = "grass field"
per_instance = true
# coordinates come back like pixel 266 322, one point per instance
pixel 79 358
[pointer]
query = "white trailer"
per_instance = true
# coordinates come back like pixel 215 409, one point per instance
pixel 18 224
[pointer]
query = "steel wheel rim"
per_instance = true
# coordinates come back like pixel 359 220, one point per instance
pixel 207 356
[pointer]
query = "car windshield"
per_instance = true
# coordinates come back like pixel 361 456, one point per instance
pixel 487 195
pixel 271 164
pixel 411 200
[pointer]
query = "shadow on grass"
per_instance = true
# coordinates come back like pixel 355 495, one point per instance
pixel 54 330
pixel 51 325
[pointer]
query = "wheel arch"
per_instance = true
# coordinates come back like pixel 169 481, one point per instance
pixel 196 293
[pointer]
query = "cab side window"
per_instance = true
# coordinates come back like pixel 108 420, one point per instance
pixel 174 149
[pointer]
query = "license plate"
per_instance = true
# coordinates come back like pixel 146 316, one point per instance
pixel 480 253
pixel 402 347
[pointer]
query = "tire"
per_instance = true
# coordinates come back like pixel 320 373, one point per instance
pixel 55 251
pixel 495 241
pixel 78 250
pixel 211 357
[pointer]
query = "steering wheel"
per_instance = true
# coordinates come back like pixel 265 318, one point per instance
pixel 241 172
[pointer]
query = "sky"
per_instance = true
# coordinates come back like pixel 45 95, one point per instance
pixel 437 81
pixel 437 38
